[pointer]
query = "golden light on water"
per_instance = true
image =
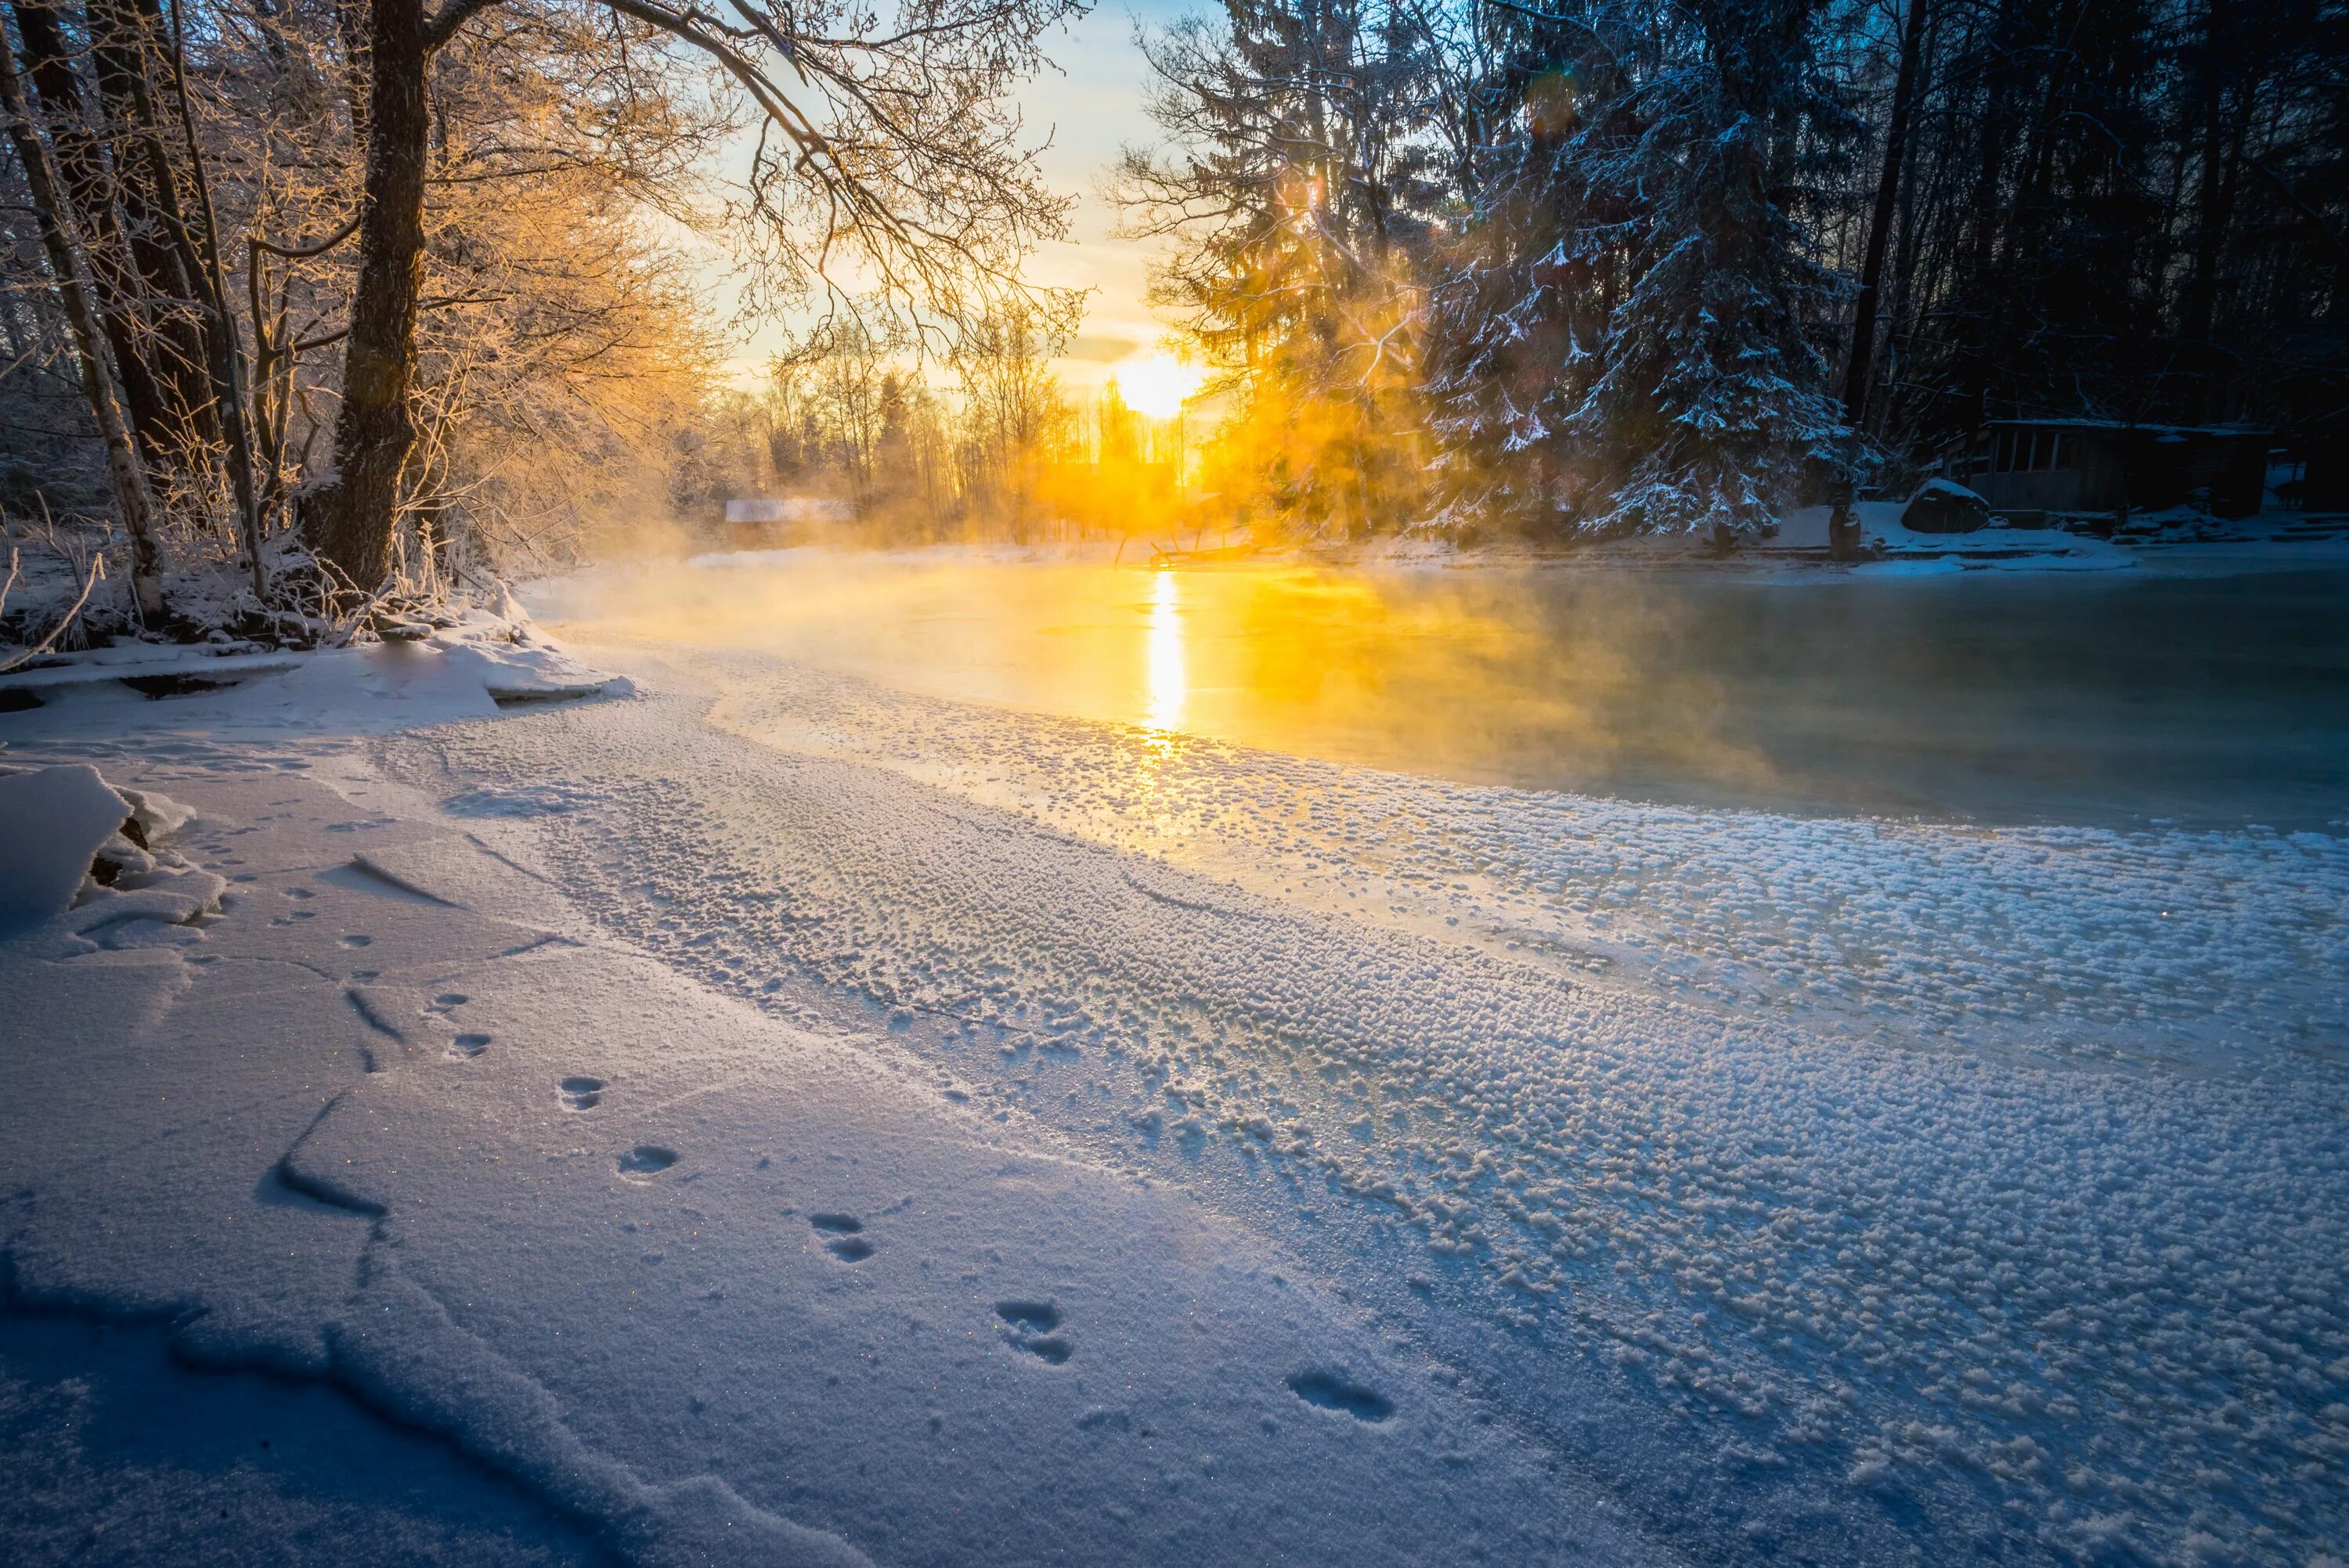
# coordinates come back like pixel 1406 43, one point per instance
pixel 1458 673
pixel 1159 385
pixel 1167 683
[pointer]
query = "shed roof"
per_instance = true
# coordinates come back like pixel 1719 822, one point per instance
pixel 2118 425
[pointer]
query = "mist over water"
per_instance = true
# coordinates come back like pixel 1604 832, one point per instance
pixel 2136 698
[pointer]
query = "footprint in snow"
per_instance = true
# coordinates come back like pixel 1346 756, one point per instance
pixel 646 1160
pixel 846 1245
pixel 357 941
pixel 1329 1391
pixel 1029 1325
pixel 465 1048
pixel 582 1093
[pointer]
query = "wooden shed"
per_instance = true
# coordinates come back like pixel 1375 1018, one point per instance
pixel 2101 465
pixel 2324 481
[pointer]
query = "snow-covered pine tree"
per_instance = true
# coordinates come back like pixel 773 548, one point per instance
pixel 1297 186
pixel 1708 404
pixel 1518 293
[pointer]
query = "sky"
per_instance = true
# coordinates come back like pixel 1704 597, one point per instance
pixel 1089 107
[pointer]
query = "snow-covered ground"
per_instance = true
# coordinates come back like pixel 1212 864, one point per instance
pixel 1907 554
pixel 335 1085
pixel 765 1115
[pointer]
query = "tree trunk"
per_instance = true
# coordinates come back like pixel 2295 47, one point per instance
pixel 1861 365
pixel 91 351
pixel 2214 201
pixel 224 356
pixel 122 36
pixel 79 165
pixel 1979 301
pixel 351 522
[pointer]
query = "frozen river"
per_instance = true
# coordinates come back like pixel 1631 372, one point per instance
pixel 974 1062
pixel 1856 1069
pixel 2119 698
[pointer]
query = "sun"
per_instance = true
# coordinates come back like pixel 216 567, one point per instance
pixel 1157 385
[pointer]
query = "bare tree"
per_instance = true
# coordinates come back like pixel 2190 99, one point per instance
pixel 92 352
pixel 884 149
pixel 1860 365
pixel 1012 406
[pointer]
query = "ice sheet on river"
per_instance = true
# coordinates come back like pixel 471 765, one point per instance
pixel 391 1117
pixel 2000 1208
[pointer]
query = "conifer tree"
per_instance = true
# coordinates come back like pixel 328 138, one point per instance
pixel 1708 400
pixel 1520 298
pixel 1299 190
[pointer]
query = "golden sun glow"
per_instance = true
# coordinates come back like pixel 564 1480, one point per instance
pixel 1157 385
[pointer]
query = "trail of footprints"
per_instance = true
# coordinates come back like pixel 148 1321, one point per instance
pixel 1030 1324
pixel 1033 1324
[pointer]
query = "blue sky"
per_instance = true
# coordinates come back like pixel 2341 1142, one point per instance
pixel 1089 107
pixel 1094 106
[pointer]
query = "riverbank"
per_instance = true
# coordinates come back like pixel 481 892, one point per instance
pixel 771 1107
pixel 652 1273
pixel 2176 540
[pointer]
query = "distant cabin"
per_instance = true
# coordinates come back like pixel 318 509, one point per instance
pixel 2098 465
pixel 764 523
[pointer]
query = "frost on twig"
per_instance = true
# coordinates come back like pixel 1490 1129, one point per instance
pixel 34 650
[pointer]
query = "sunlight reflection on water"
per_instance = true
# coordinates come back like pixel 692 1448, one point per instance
pixel 1167 685
pixel 2129 698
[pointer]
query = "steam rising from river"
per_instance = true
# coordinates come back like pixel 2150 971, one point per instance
pixel 2017 699
pixel 1473 674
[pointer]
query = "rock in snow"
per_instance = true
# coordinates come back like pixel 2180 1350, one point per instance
pixel 1944 506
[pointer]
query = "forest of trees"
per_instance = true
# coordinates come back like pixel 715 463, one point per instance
pixel 1621 266
pixel 349 289
pixel 974 438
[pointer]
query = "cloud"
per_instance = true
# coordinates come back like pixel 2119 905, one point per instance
pixel 1100 348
